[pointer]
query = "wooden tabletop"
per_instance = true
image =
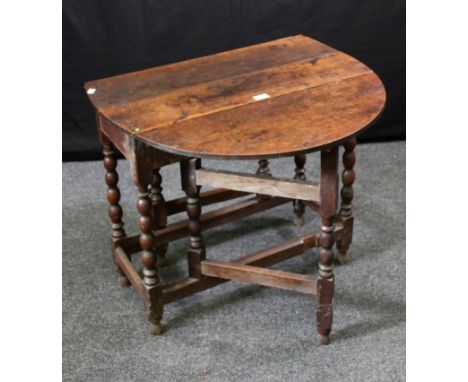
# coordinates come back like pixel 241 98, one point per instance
pixel 283 97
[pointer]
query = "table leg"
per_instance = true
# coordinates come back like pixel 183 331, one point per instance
pixel 299 206
pixel 142 165
pixel 149 260
pixel 263 170
pixel 328 206
pixel 346 211
pixel 159 212
pixel 113 197
pixel 196 252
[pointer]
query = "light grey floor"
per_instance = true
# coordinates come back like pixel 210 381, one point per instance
pixel 238 332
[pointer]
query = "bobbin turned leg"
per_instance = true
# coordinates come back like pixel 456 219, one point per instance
pixel 141 162
pixel 196 251
pixel 328 206
pixel 346 211
pixel 158 211
pixel 149 260
pixel 299 206
pixel 113 197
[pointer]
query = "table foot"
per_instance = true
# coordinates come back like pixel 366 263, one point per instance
pixel 123 282
pixel 342 258
pixel 157 329
pixel 323 340
pixel 298 220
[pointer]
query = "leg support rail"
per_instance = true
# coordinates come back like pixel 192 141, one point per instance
pixel 187 286
pixel 210 219
pixel 208 197
pixel 286 188
pixel 127 267
pixel 261 276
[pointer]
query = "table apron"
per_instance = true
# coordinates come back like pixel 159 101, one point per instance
pixel 286 188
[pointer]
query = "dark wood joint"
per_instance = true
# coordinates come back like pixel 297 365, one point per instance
pixel 154 307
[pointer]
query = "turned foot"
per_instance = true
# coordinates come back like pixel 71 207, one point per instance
pixel 123 282
pixel 298 220
pixel 323 340
pixel 342 258
pixel 157 329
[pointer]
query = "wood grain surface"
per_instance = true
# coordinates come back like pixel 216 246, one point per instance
pixel 206 107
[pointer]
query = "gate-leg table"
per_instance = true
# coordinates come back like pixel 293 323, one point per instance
pixel 162 209
pixel 286 97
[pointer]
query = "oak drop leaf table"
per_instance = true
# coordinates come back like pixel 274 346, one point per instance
pixel 286 97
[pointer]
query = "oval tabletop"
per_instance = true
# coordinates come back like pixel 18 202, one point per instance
pixel 283 97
